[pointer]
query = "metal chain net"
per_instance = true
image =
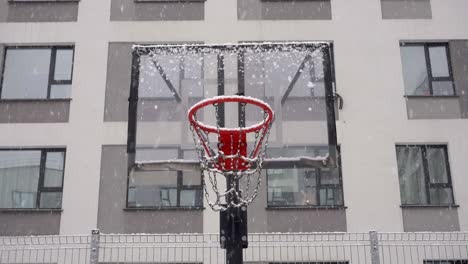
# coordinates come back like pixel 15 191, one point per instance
pixel 211 168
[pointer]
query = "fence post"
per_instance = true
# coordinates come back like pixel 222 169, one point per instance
pixel 374 247
pixel 94 254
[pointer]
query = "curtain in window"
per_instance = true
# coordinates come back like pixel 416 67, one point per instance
pixel 19 176
pixel 411 173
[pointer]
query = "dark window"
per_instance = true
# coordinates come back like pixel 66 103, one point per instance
pixel 424 174
pixel 155 189
pixel 37 73
pixel 426 69
pixel 31 178
pixel 304 186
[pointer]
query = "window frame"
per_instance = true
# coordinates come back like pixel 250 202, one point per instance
pixel 427 181
pixel 318 185
pixel 52 62
pixel 42 170
pixel 179 187
pixel 430 78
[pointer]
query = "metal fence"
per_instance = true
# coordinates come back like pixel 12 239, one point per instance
pixel 306 248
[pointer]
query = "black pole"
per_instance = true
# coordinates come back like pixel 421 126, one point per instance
pixel 232 227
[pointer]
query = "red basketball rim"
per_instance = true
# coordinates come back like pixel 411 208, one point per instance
pixel 230 99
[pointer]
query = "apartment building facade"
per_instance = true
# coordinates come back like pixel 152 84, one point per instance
pixel 400 68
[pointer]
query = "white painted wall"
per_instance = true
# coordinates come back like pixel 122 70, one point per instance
pixel 369 77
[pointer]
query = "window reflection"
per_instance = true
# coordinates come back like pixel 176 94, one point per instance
pixel 426 69
pixel 164 188
pixel 24 185
pixel 303 186
pixel 424 175
pixel 28 74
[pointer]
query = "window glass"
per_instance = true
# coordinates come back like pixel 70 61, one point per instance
pixel 164 188
pixel 19 178
pixel 60 91
pixel 303 186
pixel 26 73
pixel 415 70
pixel 152 189
pixel 146 154
pixel 411 172
pixel 168 197
pixel 441 196
pixel 439 63
pixel 51 200
pixel 193 75
pixel 437 164
pixel 63 64
pixel 442 87
pixel 54 169
pixel 423 174
pixel 159 77
pixel 330 176
pixel 191 198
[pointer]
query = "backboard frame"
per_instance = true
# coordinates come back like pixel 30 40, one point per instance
pixel 239 49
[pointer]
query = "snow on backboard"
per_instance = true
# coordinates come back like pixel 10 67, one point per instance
pixel 295 79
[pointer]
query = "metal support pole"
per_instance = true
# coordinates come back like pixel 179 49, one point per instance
pixel 374 243
pixel 94 254
pixel 234 254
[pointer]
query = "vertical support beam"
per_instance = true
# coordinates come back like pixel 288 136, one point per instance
pixel 94 254
pixel 374 247
pixel 330 103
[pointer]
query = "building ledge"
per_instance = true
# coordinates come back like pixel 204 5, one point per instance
pixel 35 100
pixel 432 96
pixel 180 208
pixel 405 206
pixel 29 210
pixel 306 207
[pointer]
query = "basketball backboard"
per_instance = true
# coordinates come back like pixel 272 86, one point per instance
pixel 295 79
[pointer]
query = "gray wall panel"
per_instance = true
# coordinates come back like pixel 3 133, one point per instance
pixel 112 218
pixel 119 67
pixel 3 10
pixel 17 223
pixel 42 11
pixel 430 219
pixel 128 10
pixel 30 111
pixel 284 10
pixel 459 59
pixel 433 107
pixel 406 9
pixel 310 220
pixel 292 220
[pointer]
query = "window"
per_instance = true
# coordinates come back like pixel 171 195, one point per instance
pixel 156 189
pixel 37 73
pixel 304 186
pixel 424 175
pixel 31 178
pixel 426 69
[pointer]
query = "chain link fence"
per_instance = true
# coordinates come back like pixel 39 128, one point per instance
pixel 305 248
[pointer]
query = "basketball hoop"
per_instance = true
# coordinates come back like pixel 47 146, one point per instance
pixel 230 155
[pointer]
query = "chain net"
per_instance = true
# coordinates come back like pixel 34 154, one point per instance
pixel 240 170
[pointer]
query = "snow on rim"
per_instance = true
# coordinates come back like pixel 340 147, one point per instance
pixel 233 98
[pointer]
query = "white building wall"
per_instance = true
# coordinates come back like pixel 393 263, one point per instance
pixel 368 73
